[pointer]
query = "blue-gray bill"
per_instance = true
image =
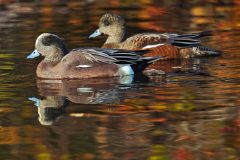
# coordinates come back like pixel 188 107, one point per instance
pixel 34 54
pixel 95 34
pixel 35 100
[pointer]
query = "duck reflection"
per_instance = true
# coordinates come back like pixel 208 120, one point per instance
pixel 88 91
pixel 59 93
pixel 50 109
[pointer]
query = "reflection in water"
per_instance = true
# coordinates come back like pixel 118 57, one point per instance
pixel 58 93
pixel 125 132
pixel 88 91
pixel 50 109
pixel 191 113
pixel 143 134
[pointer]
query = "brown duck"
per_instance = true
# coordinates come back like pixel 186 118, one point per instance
pixel 166 45
pixel 61 63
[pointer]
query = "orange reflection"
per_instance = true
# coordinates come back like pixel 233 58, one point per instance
pixel 9 135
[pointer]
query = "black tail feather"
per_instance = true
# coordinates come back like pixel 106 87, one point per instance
pixel 144 63
pixel 185 42
pixel 208 51
pixel 205 33
pixel 196 35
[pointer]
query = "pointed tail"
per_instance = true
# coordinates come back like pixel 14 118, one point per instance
pixel 144 63
pixel 205 51
pixel 184 42
pixel 196 35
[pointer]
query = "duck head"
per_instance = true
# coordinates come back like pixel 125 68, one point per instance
pixel 112 25
pixel 50 46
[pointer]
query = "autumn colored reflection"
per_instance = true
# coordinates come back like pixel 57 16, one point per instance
pixel 191 112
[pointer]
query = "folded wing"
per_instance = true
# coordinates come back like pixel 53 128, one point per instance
pixel 89 57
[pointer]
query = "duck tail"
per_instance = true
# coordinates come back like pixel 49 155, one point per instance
pixel 196 35
pixel 205 51
pixel 144 63
pixel 205 33
pixel 189 40
pixel 184 42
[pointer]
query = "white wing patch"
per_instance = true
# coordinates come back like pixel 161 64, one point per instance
pixel 152 46
pixel 84 66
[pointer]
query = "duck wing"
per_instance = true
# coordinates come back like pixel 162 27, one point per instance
pixel 153 40
pixel 89 57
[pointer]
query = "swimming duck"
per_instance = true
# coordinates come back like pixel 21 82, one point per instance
pixel 166 45
pixel 61 63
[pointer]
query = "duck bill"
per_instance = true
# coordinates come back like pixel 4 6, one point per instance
pixel 95 34
pixel 34 54
pixel 35 100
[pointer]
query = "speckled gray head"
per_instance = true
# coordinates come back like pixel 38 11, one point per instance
pixel 48 45
pixel 110 19
pixel 110 24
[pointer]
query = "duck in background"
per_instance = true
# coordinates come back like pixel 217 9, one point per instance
pixel 166 45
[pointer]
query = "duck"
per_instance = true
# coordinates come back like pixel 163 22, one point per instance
pixel 61 63
pixel 166 45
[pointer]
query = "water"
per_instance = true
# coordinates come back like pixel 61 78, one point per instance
pixel 190 113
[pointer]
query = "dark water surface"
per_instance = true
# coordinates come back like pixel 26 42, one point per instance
pixel 192 113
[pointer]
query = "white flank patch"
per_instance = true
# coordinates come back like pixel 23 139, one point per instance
pixel 85 90
pixel 83 66
pixel 125 70
pixel 152 46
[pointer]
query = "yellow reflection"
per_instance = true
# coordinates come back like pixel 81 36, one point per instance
pixel 44 152
pixel 200 11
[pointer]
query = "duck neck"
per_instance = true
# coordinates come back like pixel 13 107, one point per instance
pixel 56 56
pixel 53 58
pixel 117 36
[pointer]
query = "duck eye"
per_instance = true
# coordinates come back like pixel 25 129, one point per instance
pixel 106 23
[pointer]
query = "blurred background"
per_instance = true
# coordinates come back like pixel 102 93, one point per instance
pixel 190 113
